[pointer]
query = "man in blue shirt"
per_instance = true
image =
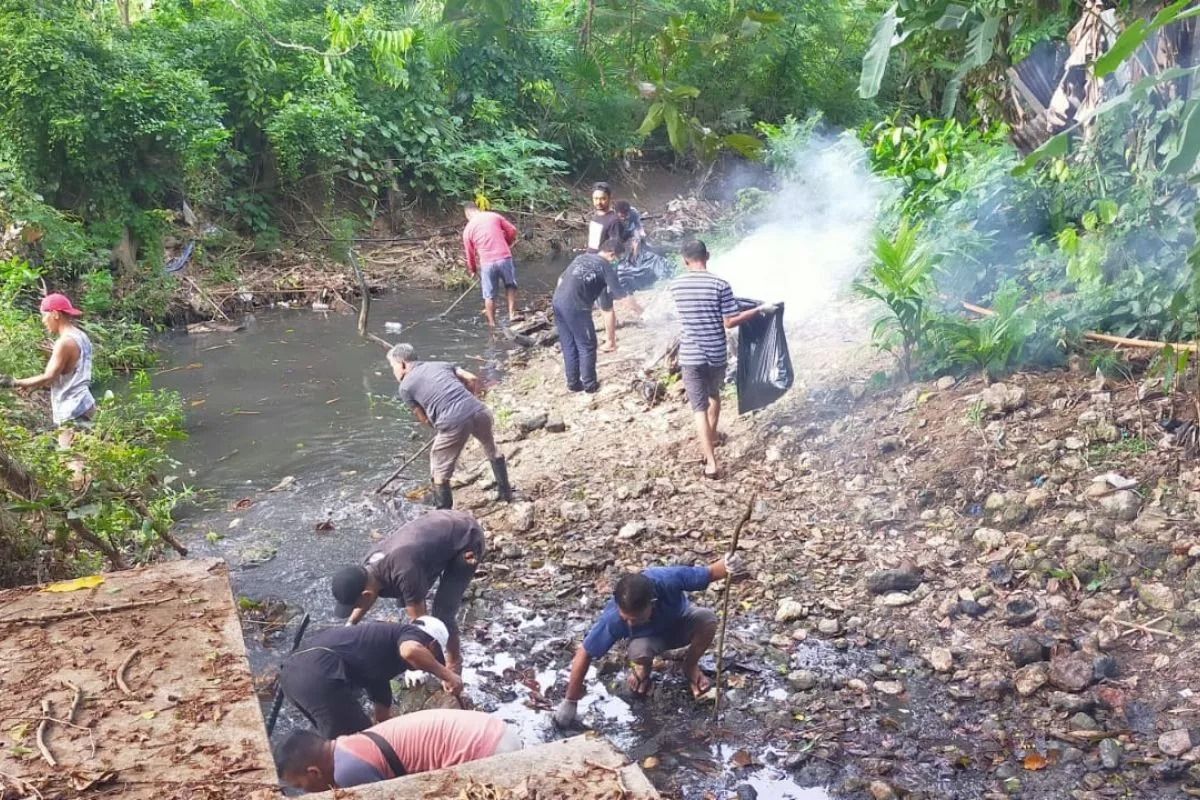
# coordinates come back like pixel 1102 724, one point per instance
pixel 651 609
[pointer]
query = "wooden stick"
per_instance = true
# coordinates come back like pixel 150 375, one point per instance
pixel 121 684
pixel 75 701
pixel 364 311
pixel 47 712
pixel 81 612
pixel 18 783
pixel 737 532
pixel 404 466
pixel 1144 344
pixel 461 297
pixel 384 343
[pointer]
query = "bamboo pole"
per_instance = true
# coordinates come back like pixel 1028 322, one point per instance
pixel 1093 336
pixel 405 466
pixel 737 532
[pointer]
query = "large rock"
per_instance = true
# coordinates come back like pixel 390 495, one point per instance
pixel 574 511
pixel 1025 650
pixel 941 659
pixel 528 423
pixel 1157 596
pixel 903 579
pixel 1123 505
pixel 1175 743
pixel 790 610
pixel 521 517
pixel 802 679
pixel 1072 672
pixel 1001 398
pixel 897 599
pixel 988 539
pixel 632 530
pixel 1031 678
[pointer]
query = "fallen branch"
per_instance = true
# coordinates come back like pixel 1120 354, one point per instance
pixel 404 466
pixel 1135 627
pixel 75 701
pixel 1093 336
pixel 47 712
pixel 20 784
pixel 81 612
pixel 461 297
pixel 120 675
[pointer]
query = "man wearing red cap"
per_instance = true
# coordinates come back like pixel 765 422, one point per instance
pixel 68 373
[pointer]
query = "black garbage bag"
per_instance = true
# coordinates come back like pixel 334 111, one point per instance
pixel 764 366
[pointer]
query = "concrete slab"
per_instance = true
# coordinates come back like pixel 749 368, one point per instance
pixel 583 767
pixel 167 708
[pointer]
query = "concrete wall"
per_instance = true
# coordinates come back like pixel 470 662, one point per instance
pixel 577 762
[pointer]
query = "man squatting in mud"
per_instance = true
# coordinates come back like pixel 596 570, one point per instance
pixel 652 611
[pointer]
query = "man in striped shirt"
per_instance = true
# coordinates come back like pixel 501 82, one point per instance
pixel 706 310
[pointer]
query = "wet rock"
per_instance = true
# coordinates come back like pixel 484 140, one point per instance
pixel 1110 753
pixel 1083 722
pixel 1025 649
pixel 1072 672
pixel 555 424
pixel 889 687
pixel 1030 678
pixel 1176 742
pixel 790 610
pixel 521 517
pixel 1000 574
pixel 802 679
pixel 1104 667
pixel 574 511
pixel 1070 703
pixel 881 791
pixel 970 608
pixel 829 626
pixel 1157 596
pixel 903 579
pixel 528 423
pixel 746 792
pixel 897 599
pixel 1123 505
pixel 632 530
pixel 1001 398
pixel 941 659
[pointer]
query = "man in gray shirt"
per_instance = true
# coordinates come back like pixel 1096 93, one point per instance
pixel 444 396
pixel 443 547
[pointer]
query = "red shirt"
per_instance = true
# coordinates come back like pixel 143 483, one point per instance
pixel 487 238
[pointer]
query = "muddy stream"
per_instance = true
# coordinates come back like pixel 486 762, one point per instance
pixel 296 402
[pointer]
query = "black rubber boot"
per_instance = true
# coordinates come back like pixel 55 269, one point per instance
pixel 443 499
pixel 500 470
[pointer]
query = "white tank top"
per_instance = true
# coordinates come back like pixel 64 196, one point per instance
pixel 71 392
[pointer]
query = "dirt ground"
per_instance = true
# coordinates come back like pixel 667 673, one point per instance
pixel 1010 572
pixel 140 688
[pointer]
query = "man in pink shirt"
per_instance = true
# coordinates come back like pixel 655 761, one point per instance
pixel 418 742
pixel 487 240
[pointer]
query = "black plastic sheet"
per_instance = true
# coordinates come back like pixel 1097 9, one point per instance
pixel 764 365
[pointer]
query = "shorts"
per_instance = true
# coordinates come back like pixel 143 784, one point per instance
pixel 448 444
pixel 496 273
pixel 701 383
pixel 647 647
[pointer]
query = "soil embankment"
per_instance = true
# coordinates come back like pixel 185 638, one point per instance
pixel 973 591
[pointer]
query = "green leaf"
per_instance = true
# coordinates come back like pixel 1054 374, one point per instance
pixel 876 60
pixel 950 93
pixel 952 18
pixel 1107 210
pixel 1135 35
pixel 677 131
pixel 1189 142
pixel 654 118
pixel 981 42
pixel 1056 146
pixel 765 17
pixel 744 144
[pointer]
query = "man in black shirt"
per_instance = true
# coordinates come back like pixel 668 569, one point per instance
pixel 324 679
pixel 605 224
pixel 589 279
pixel 442 546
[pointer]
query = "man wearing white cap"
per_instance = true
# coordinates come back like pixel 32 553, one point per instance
pixel 68 373
pixel 326 678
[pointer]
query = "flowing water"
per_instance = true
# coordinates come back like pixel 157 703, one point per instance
pixel 298 403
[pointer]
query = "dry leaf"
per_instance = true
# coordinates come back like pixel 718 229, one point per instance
pixel 742 759
pixel 90 582
pixel 1035 761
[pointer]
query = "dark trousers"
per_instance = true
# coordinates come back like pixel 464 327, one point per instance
pixel 331 703
pixel 577 335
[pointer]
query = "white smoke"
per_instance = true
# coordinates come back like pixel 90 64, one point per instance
pixel 817 233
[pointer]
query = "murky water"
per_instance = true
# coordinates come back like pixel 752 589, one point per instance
pixel 298 402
